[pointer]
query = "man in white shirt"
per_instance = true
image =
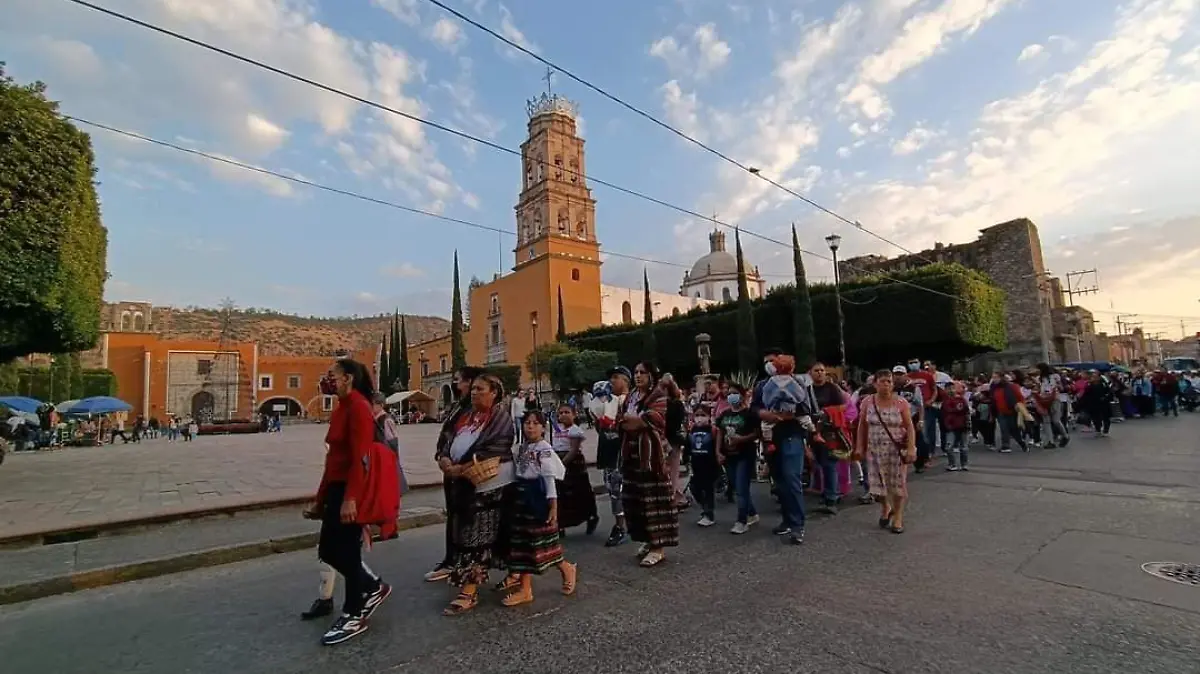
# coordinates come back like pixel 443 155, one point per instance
pixel 518 413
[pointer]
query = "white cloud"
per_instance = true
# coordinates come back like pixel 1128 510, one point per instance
pixel 705 53
pixel 508 28
pixel 681 108
pixel 1053 150
pixel 447 34
pixel 265 135
pixel 403 270
pixel 470 201
pixel 1030 52
pixel 920 38
pixel 913 141
pixel 404 10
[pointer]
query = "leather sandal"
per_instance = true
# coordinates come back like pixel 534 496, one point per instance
pixel 570 574
pixel 508 583
pixel 518 597
pixel 462 603
pixel 653 558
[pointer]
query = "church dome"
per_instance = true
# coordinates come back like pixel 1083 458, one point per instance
pixel 717 263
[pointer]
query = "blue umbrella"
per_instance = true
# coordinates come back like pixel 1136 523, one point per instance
pixel 20 403
pixel 99 405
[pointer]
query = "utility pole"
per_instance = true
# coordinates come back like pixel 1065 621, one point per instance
pixel 1083 282
pixel 1124 323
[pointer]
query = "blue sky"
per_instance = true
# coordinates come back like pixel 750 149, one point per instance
pixel 925 120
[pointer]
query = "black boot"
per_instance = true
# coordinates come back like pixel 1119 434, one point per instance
pixel 319 609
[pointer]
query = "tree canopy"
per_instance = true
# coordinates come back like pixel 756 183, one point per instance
pixel 54 247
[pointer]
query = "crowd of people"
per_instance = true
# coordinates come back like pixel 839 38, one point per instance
pixel 515 478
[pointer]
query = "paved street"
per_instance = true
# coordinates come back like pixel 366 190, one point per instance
pixel 1030 563
pixel 79 486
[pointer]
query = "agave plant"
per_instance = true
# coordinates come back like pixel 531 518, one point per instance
pixel 744 378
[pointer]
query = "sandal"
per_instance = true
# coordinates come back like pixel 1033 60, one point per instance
pixel 884 522
pixel 652 559
pixel 462 603
pixel 897 530
pixel 643 550
pixel 517 598
pixel 509 582
pixel 570 573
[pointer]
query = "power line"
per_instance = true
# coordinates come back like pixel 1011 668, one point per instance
pixel 681 134
pixel 346 193
pixel 495 146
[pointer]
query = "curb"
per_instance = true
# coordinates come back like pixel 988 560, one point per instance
pixel 190 561
pixel 162 566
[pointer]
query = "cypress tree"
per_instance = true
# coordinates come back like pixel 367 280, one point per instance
pixel 802 320
pixel 747 341
pixel 402 368
pixel 385 366
pixel 458 352
pixel 649 342
pixel 395 351
pixel 561 334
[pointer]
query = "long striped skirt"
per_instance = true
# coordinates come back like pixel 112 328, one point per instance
pixel 477 524
pixel 533 545
pixel 650 511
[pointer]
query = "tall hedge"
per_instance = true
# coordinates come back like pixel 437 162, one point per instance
pixel 70 381
pixel 52 243
pixel 887 322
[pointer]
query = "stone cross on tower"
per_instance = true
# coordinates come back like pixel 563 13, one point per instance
pixel 549 80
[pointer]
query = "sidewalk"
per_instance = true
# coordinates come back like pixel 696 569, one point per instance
pixel 46 570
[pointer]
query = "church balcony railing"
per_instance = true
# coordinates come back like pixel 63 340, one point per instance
pixel 497 353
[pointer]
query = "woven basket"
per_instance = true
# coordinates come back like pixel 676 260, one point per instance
pixel 479 472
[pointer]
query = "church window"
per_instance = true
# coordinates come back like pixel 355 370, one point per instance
pixel 528 173
pixel 495 332
pixel 575 274
pixel 563 222
pixel 442 364
pixel 139 321
pixel 495 300
pixel 558 167
pixel 626 313
pixel 725 297
pixel 581 228
pixel 203 367
pixel 574 170
pixel 540 168
pixel 125 318
pixel 675 311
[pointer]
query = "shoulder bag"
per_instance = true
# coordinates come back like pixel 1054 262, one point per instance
pixel 899 446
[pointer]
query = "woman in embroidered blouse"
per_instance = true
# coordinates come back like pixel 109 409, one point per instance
pixel 534 541
pixel 887 440
pixel 476 512
pixel 648 495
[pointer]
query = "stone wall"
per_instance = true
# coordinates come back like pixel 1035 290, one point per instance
pixel 1010 253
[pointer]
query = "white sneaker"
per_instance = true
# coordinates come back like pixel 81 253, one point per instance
pixel 751 520
pixel 705 522
pixel 739 528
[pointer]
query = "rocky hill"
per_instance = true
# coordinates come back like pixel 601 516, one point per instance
pixel 286 335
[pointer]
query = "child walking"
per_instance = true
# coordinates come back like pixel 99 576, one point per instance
pixel 535 543
pixel 705 467
pixel 955 414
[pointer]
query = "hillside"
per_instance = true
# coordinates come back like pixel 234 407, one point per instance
pixel 285 335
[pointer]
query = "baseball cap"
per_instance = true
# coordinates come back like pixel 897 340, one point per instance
pixel 899 369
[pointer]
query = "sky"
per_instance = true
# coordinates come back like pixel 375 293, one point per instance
pixel 923 120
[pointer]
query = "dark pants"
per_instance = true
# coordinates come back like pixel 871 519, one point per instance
pixel 924 450
pixel 827 463
pixel 1009 430
pixel 1101 418
pixel 447 487
pixel 790 481
pixel 1144 405
pixel 741 468
pixel 987 431
pixel 704 481
pixel 341 548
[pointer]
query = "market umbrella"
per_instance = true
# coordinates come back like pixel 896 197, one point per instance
pixel 20 403
pixel 65 406
pixel 100 405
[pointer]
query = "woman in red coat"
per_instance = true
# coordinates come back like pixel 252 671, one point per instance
pixel 343 485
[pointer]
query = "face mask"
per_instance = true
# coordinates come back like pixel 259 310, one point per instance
pixel 328 385
pixel 770 368
pixel 913 367
pixel 734 399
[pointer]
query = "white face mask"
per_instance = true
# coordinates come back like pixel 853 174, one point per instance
pixel 770 368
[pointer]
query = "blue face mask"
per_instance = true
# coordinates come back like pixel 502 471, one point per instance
pixel 734 399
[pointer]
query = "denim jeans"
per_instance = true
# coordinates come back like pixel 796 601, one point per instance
pixel 742 467
pixel 790 482
pixel 829 474
pixel 933 423
pixel 1009 430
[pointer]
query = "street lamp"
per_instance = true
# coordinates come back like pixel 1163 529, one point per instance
pixel 835 242
pixel 536 377
pixel 51 377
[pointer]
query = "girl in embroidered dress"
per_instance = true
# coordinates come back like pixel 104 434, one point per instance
pixel 534 543
pixel 576 500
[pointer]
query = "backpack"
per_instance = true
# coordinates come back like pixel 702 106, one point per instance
pixel 380 501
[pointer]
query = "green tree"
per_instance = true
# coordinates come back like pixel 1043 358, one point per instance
pixel 561 333
pixel 579 370
pixel 403 370
pixel 395 353
pixel 509 376
pixel 10 378
pixel 747 341
pixel 76 388
pixel 802 319
pixel 539 359
pixel 60 379
pixel 385 366
pixel 649 342
pixel 52 269
pixel 458 352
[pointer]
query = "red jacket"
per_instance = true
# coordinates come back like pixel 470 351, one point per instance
pixel 350 437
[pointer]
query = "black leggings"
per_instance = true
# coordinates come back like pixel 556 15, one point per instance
pixel 341 548
pixel 1101 418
